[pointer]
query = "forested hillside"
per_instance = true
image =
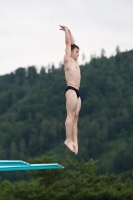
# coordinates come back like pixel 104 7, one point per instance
pixel 78 180
pixel 32 113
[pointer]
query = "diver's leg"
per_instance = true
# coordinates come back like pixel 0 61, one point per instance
pixel 71 104
pixel 75 126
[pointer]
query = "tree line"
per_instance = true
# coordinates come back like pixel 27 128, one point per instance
pixel 77 181
pixel 32 114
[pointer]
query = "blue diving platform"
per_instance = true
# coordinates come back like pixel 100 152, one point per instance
pixel 20 165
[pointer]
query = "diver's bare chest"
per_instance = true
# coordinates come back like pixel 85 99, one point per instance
pixel 74 70
pixel 74 64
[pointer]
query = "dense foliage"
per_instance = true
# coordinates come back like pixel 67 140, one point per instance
pixel 32 113
pixel 76 182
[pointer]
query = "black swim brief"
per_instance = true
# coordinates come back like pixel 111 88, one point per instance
pixel 72 88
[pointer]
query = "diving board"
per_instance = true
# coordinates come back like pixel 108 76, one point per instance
pixel 20 165
pixel 12 162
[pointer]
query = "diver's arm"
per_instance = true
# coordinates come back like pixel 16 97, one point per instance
pixel 71 36
pixel 67 42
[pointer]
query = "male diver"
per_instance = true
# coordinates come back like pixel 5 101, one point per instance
pixel 73 100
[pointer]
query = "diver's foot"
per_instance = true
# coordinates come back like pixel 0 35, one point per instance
pixel 69 145
pixel 75 147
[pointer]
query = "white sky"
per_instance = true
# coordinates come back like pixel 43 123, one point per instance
pixel 29 30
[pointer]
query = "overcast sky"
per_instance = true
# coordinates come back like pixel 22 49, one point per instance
pixel 29 30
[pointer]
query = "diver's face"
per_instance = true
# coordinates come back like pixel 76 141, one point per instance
pixel 75 53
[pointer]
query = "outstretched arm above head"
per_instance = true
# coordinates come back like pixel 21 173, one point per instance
pixel 72 38
pixel 67 42
pixel 67 35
